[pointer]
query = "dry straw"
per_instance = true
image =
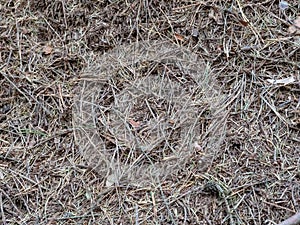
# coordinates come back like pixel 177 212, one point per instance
pixel 143 110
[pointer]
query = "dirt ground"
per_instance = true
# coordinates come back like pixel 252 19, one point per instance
pixel 218 143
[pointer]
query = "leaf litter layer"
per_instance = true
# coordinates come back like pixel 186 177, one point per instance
pixel 45 48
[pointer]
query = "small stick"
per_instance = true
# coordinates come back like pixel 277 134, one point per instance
pixel 294 220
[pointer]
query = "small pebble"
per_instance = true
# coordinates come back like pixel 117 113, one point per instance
pixel 195 33
pixel 283 5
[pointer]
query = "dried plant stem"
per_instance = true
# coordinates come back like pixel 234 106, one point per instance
pixel 294 220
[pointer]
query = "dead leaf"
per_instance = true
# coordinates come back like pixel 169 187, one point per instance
pixel 134 124
pixel 283 81
pixel 179 37
pixel 244 23
pixel 171 121
pixel 25 31
pixel 88 195
pixel 211 14
pixel 111 180
pixel 197 146
pixel 295 28
pixel 48 50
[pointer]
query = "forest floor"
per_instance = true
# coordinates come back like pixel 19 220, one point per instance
pixel 194 108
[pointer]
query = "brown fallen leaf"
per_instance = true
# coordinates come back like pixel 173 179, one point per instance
pixel 48 50
pixel 179 37
pixel 295 28
pixel 171 121
pixel 134 124
pixel 197 147
pixel 244 23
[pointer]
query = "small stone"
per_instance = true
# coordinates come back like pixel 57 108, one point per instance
pixel 283 5
pixel 195 33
